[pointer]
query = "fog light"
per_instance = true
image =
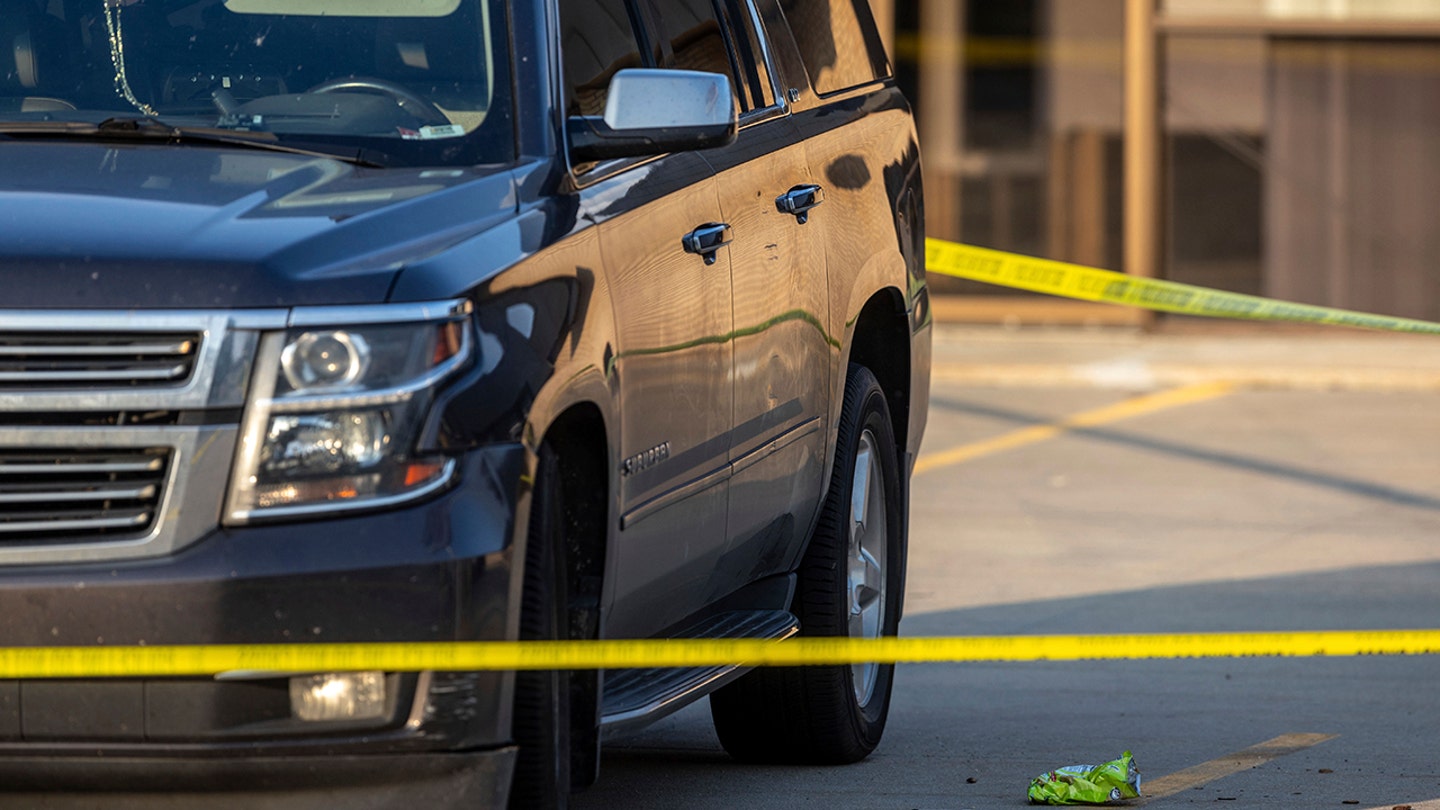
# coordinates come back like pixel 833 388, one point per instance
pixel 338 696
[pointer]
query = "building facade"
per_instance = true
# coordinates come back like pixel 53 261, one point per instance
pixel 1288 148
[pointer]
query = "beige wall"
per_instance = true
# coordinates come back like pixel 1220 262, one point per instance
pixel 1215 84
pixel 1210 82
pixel 1084 53
pixel 1335 9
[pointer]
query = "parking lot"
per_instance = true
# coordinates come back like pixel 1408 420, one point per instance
pixel 1117 482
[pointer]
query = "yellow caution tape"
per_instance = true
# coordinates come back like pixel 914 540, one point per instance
pixel 1091 284
pixel 205 660
pixel 945 258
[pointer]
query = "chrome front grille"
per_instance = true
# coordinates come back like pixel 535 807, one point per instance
pixel 67 494
pixel 115 359
pixel 118 428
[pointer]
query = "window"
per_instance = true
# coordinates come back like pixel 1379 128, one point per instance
pixel 696 39
pixel 598 40
pixel 752 56
pixel 838 42
pixel 419 83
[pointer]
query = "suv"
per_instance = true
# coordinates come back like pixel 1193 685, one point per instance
pixel 439 320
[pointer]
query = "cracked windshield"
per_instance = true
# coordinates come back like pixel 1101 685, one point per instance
pixel 419 82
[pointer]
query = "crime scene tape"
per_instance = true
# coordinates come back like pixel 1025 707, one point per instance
pixel 945 258
pixel 204 660
pixel 1092 284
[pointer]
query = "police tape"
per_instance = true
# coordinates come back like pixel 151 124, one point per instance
pixel 945 258
pixel 281 659
pixel 1092 284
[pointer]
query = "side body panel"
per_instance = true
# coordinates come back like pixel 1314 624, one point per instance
pixel 782 373
pixel 861 146
pixel 673 368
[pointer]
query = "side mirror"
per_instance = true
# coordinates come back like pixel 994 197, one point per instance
pixel 649 111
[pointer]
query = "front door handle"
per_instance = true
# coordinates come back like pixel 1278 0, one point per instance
pixel 706 240
pixel 799 200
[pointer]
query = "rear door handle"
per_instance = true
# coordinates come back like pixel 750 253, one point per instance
pixel 706 240
pixel 799 200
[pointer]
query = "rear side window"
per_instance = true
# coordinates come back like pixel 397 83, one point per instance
pixel 598 40
pixel 838 42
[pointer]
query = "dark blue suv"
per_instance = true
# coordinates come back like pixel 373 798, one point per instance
pixel 436 320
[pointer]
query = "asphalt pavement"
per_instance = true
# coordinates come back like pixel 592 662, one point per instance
pixel 1194 479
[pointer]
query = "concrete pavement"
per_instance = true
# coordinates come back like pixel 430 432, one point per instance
pixel 1187 352
pixel 1119 481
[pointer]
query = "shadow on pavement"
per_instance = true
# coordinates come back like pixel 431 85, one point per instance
pixel 1001 724
pixel 1339 483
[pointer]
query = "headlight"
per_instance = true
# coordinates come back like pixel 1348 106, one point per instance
pixel 334 414
pixel 319 360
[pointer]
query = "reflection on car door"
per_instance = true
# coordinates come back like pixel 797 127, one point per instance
pixel 782 364
pixel 673 369
pixel 672 360
pixel 859 139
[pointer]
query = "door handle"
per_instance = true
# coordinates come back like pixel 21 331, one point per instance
pixel 799 200
pixel 706 240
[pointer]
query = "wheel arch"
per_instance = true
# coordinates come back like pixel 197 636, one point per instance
pixel 578 437
pixel 880 341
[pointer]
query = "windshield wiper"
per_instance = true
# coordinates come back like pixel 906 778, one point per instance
pixel 153 129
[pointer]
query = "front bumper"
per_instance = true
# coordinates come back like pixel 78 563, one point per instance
pixel 437 571
pixel 471 779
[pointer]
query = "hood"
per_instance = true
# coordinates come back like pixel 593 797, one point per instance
pixel 145 226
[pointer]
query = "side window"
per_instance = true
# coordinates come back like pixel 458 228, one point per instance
pixel 838 42
pixel 697 41
pixel 597 38
pixel 752 56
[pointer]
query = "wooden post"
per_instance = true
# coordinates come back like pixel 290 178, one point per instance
pixel 941 108
pixel 1142 144
pixel 1142 140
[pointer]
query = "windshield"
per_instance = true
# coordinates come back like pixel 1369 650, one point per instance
pixel 409 82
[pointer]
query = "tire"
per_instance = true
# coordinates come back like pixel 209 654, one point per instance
pixel 542 698
pixel 834 715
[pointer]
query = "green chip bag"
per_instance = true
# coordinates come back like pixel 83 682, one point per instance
pixel 1088 784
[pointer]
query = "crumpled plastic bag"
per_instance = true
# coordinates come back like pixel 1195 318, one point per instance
pixel 1088 784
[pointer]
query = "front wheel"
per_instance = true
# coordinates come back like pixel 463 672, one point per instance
pixel 542 718
pixel 850 583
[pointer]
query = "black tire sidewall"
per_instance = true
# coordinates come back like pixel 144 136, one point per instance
pixel 810 715
pixel 542 698
pixel 824 569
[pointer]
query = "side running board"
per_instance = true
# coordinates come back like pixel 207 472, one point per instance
pixel 635 698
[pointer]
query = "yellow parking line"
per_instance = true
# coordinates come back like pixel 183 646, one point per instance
pixel 1252 757
pixel 1130 408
